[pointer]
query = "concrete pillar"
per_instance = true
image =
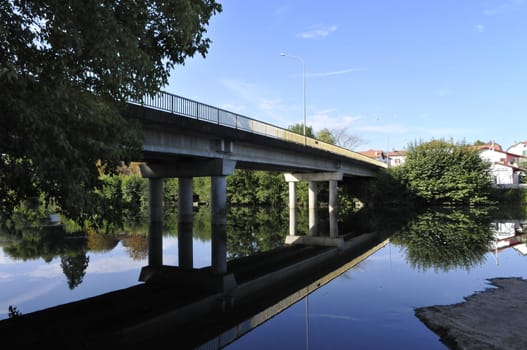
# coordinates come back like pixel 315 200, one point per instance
pixel 313 217
pixel 218 201
pixel 185 222
pixel 155 222
pixel 292 208
pixel 333 209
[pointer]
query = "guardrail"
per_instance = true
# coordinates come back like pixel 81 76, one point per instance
pixel 185 107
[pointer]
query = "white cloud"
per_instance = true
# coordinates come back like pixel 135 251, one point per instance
pixel 273 110
pixel 50 270
pixel 330 119
pixel 503 7
pixel 232 107
pixel 479 28
pixel 272 105
pixel 30 294
pixel 246 91
pixel 334 316
pixel 318 31
pixel 386 128
pixel 337 72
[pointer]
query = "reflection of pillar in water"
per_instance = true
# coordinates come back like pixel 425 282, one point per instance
pixel 313 217
pixel 185 221
pixel 155 222
pixel 333 212
pixel 292 208
pixel 219 224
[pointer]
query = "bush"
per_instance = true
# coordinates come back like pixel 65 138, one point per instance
pixel 442 173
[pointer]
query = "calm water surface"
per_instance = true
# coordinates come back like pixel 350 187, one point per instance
pixel 371 306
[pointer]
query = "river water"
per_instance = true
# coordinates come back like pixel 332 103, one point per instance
pixel 435 258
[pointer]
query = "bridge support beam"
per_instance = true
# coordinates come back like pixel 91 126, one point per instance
pixel 313 206
pixel 333 209
pixel 155 222
pixel 292 208
pixel 313 178
pixel 185 222
pixel 218 205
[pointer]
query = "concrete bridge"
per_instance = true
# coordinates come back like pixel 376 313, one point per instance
pixel 186 139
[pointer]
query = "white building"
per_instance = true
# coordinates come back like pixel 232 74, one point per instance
pixel 396 158
pixel 519 149
pixel 504 167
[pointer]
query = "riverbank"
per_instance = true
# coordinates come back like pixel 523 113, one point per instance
pixel 492 319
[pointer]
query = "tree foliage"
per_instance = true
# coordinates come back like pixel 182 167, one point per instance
pixel 326 136
pixel 299 129
pixel 66 68
pixel 255 187
pixel 441 172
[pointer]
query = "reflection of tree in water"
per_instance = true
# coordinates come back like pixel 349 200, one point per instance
pixel 74 267
pixel 137 246
pixel 100 242
pixel 254 229
pixel 446 240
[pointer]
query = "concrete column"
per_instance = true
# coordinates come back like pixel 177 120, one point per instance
pixel 313 217
pixel 333 209
pixel 292 208
pixel 185 222
pixel 219 224
pixel 155 222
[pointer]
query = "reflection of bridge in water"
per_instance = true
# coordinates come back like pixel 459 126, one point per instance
pixel 185 310
pixel 238 330
pixel 507 234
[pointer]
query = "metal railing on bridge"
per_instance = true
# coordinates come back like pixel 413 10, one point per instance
pixel 185 107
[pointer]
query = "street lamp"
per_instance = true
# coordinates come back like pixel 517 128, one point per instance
pixel 303 88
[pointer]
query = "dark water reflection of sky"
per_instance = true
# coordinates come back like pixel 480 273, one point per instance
pixel 370 306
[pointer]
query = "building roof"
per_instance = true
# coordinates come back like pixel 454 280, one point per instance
pixel 397 154
pixel 489 146
pixel 372 153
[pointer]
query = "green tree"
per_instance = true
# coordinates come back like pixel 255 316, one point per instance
pixel 326 136
pixel 441 172
pixel 299 129
pixel 241 187
pixel 66 69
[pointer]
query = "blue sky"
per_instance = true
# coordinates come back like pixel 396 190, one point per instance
pixel 389 72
